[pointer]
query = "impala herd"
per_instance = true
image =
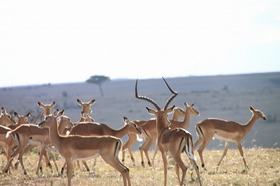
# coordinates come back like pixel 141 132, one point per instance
pixel 87 139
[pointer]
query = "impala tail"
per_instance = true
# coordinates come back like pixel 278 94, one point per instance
pixel 9 134
pixel 189 147
pixel 13 135
pixel 139 138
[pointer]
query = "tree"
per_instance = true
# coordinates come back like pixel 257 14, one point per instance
pixel 99 80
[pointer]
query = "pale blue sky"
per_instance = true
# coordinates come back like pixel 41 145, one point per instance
pixel 59 41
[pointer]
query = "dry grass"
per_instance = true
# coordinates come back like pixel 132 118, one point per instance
pixel 264 169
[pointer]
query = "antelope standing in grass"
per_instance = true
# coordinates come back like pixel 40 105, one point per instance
pixel 228 131
pixel 171 140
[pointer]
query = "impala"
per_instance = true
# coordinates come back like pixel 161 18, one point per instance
pixel 7 143
pixel 228 131
pixel 86 106
pixel 190 110
pixel 5 118
pixel 150 135
pixel 46 107
pixel 96 129
pixel 171 140
pixel 83 148
pixel 132 139
pixel 29 134
pixel 20 119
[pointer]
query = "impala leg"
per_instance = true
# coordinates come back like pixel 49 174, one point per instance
pixel 180 164
pixel 176 154
pixel 239 146
pixel 8 153
pixel 155 153
pixel 20 151
pixel 53 158
pixel 123 155
pixel 69 171
pixel 40 158
pixel 146 151
pixel 131 140
pixel 21 163
pixel 196 170
pixel 48 163
pixel 86 165
pixel 177 171
pixel 131 156
pixel 141 151
pixel 163 155
pixel 224 153
pixel 7 167
pixel 16 152
pixel 62 168
pixel 116 163
pixel 200 151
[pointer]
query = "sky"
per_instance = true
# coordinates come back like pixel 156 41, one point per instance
pixel 65 41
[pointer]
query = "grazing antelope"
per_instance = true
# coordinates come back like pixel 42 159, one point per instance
pixel 228 131
pixel 171 140
pixel 86 147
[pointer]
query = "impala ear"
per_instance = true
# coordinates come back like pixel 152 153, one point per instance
pixel 151 111
pixel 125 119
pixel 53 103
pixel 79 101
pixel 60 113
pixel 92 101
pixel 251 108
pixel 170 109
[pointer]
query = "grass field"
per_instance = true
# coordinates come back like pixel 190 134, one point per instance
pixel 264 169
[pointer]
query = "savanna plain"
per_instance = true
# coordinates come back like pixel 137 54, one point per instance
pixel 228 97
pixel 264 169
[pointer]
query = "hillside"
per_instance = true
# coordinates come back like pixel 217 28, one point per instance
pixel 224 96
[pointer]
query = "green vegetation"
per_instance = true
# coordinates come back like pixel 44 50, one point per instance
pixel 264 169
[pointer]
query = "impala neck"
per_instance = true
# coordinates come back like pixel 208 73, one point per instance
pixel 175 116
pixel 54 136
pixel 162 123
pixel 250 123
pixel 186 121
pixel 121 132
pixel 62 127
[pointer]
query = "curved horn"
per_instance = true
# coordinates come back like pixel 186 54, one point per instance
pixel 144 97
pixel 172 97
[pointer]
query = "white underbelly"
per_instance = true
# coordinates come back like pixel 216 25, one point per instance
pixel 32 142
pixel 84 158
pixel 223 138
